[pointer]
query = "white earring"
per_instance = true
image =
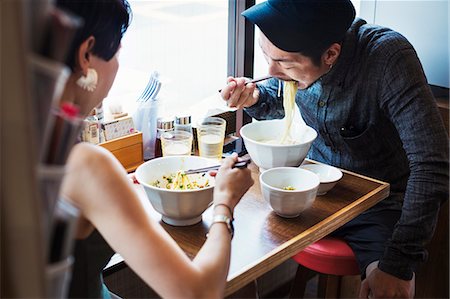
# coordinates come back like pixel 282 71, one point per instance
pixel 88 82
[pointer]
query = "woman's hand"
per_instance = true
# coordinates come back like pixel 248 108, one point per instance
pixel 231 183
pixel 238 95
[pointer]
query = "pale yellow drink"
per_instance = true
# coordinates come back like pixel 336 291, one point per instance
pixel 210 135
pixel 177 150
pixel 210 146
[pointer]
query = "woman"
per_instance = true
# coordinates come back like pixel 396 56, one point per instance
pixel 110 208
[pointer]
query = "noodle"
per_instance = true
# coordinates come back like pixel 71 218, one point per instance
pixel 289 188
pixel 289 92
pixel 279 89
pixel 182 181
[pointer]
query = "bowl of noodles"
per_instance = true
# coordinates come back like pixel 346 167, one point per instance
pixel 264 143
pixel 279 143
pixel 180 198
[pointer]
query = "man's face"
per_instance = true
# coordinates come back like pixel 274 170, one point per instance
pixel 291 66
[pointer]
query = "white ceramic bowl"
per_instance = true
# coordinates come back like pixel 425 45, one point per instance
pixel 266 155
pixel 328 176
pixel 177 207
pixel 289 203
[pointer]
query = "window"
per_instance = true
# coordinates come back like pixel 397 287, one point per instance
pixel 186 42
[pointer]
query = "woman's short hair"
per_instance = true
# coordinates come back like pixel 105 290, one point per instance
pixel 106 20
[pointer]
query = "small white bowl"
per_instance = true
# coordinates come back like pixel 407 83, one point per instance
pixel 289 203
pixel 328 175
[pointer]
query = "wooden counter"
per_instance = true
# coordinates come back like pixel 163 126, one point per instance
pixel 264 240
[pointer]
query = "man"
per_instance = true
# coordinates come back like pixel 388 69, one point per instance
pixel 362 88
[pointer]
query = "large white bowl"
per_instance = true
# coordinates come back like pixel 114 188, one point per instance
pixel 177 207
pixel 289 203
pixel 266 155
pixel 328 176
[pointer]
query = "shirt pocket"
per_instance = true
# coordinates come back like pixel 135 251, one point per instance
pixel 363 144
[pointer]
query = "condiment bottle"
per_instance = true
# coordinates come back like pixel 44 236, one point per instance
pixel 183 123
pixel 91 132
pixel 162 125
pixel 101 120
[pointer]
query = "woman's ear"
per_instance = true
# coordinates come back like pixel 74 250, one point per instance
pixel 331 54
pixel 84 54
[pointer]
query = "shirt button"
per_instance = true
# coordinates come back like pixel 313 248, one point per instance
pixel 321 103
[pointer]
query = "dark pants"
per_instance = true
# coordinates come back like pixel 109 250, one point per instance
pixel 368 233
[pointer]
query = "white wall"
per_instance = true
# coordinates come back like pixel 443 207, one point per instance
pixel 424 23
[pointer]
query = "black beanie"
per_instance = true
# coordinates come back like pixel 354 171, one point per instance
pixel 296 25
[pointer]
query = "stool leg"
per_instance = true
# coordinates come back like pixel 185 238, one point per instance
pixel 350 286
pixel 298 286
pixel 329 286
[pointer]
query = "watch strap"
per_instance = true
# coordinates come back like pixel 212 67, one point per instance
pixel 226 220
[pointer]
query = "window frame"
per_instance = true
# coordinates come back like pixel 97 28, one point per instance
pixel 241 47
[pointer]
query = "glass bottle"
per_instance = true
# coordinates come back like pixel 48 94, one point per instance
pixel 91 132
pixel 183 123
pixel 101 120
pixel 162 125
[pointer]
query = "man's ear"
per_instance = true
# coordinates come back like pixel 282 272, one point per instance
pixel 331 54
pixel 84 54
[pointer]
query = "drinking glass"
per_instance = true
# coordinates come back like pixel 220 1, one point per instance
pixel 176 143
pixel 210 135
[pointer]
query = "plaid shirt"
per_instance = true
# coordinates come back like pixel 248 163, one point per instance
pixel 375 115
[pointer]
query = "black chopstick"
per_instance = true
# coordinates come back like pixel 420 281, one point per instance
pixel 255 80
pixel 240 164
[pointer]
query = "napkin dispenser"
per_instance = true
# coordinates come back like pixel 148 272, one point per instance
pixel 117 128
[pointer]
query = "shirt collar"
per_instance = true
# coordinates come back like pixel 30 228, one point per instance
pixel 338 73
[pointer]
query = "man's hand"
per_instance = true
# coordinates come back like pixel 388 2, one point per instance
pixel 379 284
pixel 238 94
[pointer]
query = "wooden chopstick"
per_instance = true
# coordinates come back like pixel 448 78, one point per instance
pixel 240 164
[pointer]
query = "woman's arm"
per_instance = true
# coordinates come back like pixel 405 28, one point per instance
pixel 98 185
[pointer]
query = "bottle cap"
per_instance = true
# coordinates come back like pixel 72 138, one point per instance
pixel 164 124
pixel 183 120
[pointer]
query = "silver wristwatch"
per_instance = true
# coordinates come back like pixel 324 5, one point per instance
pixel 224 219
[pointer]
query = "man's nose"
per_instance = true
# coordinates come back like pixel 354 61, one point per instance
pixel 274 70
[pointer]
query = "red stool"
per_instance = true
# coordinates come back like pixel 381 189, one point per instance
pixel 331 258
